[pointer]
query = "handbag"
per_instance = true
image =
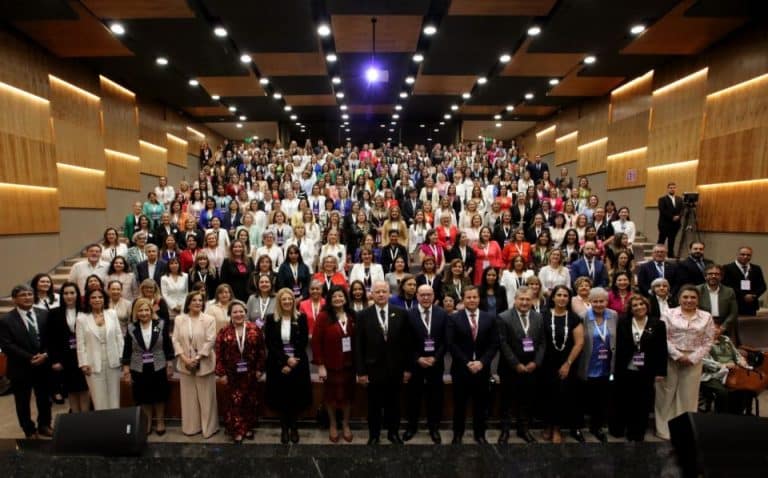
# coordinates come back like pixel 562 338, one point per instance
pixel 755 380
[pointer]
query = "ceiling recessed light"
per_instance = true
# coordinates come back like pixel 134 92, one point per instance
pixel 255 137
pixel 245 58
pixel 336 80
pixel 410 80
pixel 529 96
pixel 637 29
pixel 287 108
pixel 403 94
pixel 436 130
pixel 382 125
pixel 243 118
pixel 466 96
pixel 298 124
pixel 442 123
pixel 534 30
pixel 233 108
pixel 340 94
pixel 447 116
pixel 510 108
pixel 193 82
pixel 418 57
pixel 277 95
pixel 395 116
pixel 293 117
pixel 349 139
pixel 429 139
pixel 421 126
pixel 398 107
pixel 393 123
pixel 343 107
pixel 239 125
pixel 161 60
pixel 505 58
pixel 346 123
pixel 498 125
pixel 220 31
pixel 389 139
pixel 590 59
pixel 554 81
pixel 391 130
pixel 497 117
pixel 331 57
pixel 345 116
pixel 454 107
pixel 430 30
pixel 215 97
pixel 264 81
pixel 323 30
pixel 482 80
pixel 347 130
pixel 117 28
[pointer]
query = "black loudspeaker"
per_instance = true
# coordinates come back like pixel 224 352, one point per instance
pixel 122 431
pixel 710 444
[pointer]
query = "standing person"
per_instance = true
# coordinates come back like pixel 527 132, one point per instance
pixel 659 267
pixel 92 265
pixel 289 390
pixel 148 362
pixel 63 348
pixel 691 269
pixel 332 353
pixel 690 334
pixel 473 340
pixel 427 356
pixel 641 360
pixel 589 266
pixel 381 336
pixel 237 269
pixel 487 253
pixel 174 286
pixel 523 344
pixel 240 360
pixel 194 337
pixel 670 210
pixel 746 279
pixel 24 340
pixel 564 333
pixel 391 252
pixel 294 274
pixel 99 349
pixel 720 301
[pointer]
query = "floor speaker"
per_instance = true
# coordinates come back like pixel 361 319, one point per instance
pixel 119 432
pixel 709 444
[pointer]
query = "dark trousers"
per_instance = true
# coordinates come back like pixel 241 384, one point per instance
pixel 477 388
pixel 518 390
pixel 668 234
pixel 22 394
pixel 425 383
pixel 383 396
pixel 597 393
pixel 561 401
pixel 634 400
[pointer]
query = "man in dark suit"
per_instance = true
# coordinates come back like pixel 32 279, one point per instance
pixel 23 339
pixel 382 336
pixel 152 268
pixel 589 266
pixel 656 268
pixel 523 343
pixel 537 168
pixel 473 340
pixel 604 227
pixel 746 279
pixel 410 205
pixel 427 354
pixel 720 301
pixel 691 270
pixel 393 251
pixel 670 209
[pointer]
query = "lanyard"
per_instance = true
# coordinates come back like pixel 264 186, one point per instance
pixel 328 282
pixel 637 331
pixel 382 322
pixel 240 341
pixel 343 324
pixel 602 333
pixel 294 271
pixel 524 324
pixel 202 276
pixel 428 280
pixel 427 325
pixel 660 268
pixel 315 310
pixel 519 249
pixel 590 268
pixel 565 333
pixel 745 273
pixel 263 306
pixel 457 285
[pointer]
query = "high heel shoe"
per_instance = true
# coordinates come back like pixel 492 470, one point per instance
pixel 334 439
pixel 347 435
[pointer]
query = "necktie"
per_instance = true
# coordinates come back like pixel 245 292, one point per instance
pixel 33 332
pixel 384 325
pixel 700 265
pixel 745 269
pixel 660 268
pixel 427 318
pixel 473 325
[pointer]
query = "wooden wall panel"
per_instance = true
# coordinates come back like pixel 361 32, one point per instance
pixel 120 118
pixel 177 150
pixel 26 161
pixel 195 139
pixel 739 59
pixel 24 65
pixel 591 157
pixel 123 171
pixel 154 159
pixel 175 123
pixel 545 140
pixel 739 107
pixel 627 170
pixel 632 98
pixel 81 188
pixel 77 126
pixel 593 122
pixel 738 156
pixel 567 121
pixel 716 207
pixel 566 148
pixel 683 173
pixel 28 210
pixel 152 123
pixel 628 133
pixel 24 114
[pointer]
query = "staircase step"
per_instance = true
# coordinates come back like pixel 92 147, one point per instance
pixel 72 261
pixel 62 270
pixel 6 302
pixel 59 279
pixel 4 309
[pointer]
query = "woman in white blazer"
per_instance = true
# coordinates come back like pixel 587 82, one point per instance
pixel 367 271
pixel 99 350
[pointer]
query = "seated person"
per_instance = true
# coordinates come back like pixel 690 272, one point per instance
pixel 723 356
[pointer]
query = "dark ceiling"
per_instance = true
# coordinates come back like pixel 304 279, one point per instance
pixel 282 40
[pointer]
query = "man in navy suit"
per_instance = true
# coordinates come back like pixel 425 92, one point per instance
pixel 427 351
pixel 589 266
pixel 152 268
pixel 23 339
pixel 537 168
pixel 670 210
pixel 659 267
pixel 691 269
pixel 473 340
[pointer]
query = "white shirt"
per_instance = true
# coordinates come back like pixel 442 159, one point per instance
pixel 109 253
pixel 285 330
pixel 83 269
pixel 23 314
pixel 165 195
pixel 275 253
pixel 174 290
pixel 628 228
pixel 146 333
pixel 714 302
pixel 550 277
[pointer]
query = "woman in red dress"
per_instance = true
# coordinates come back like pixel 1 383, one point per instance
pixel 487 253
pixel 332 353
pixel 240 359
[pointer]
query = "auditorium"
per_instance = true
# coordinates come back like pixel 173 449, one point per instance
pixel 384 237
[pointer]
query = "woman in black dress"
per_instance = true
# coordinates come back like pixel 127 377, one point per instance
pixel 148 361
pixel 63 348
pixel 237 269
pixel 289 390
pixel 565 335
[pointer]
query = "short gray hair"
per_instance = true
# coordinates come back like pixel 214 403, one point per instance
pixel 523 289
pixel 598 293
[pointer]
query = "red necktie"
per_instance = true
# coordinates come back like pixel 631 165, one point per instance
pixel 473 325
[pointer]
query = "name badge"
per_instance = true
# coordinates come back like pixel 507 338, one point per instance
pixel 486 264
pixel 527 344
pixel 241 367
pixel 746 284
pixel 72 343
pixel 259 323
pixel 147 357
pixel 638 360
pixel 602 353
pixel 346 344
pixel 288 350
pixel 429 345
pixel 296 290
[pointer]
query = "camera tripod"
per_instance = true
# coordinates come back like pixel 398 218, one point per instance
pixel 690 229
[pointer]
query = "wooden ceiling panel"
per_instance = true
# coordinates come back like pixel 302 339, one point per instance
pixel 310 100
pixel 677 34
pixel 394 33
pixel 557 65
pixel 443 84
pixel 139 8
pixel 207 111
pixel 534 8
pixel 232 85
pixel 290 64
pixel 574 85
pixel 534 110
pixel 481 109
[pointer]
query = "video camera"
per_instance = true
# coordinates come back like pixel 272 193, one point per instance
pixel 690 199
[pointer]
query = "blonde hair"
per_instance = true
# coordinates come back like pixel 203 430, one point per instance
pixel 279 312
pixel 141 301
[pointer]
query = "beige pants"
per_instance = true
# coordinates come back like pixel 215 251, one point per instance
pixel 199 412
pixel 105 387
pixel 676 394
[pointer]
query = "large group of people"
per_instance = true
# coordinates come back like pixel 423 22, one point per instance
pixel 384 268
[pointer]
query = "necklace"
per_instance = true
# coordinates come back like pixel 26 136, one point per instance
pixel 561 347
